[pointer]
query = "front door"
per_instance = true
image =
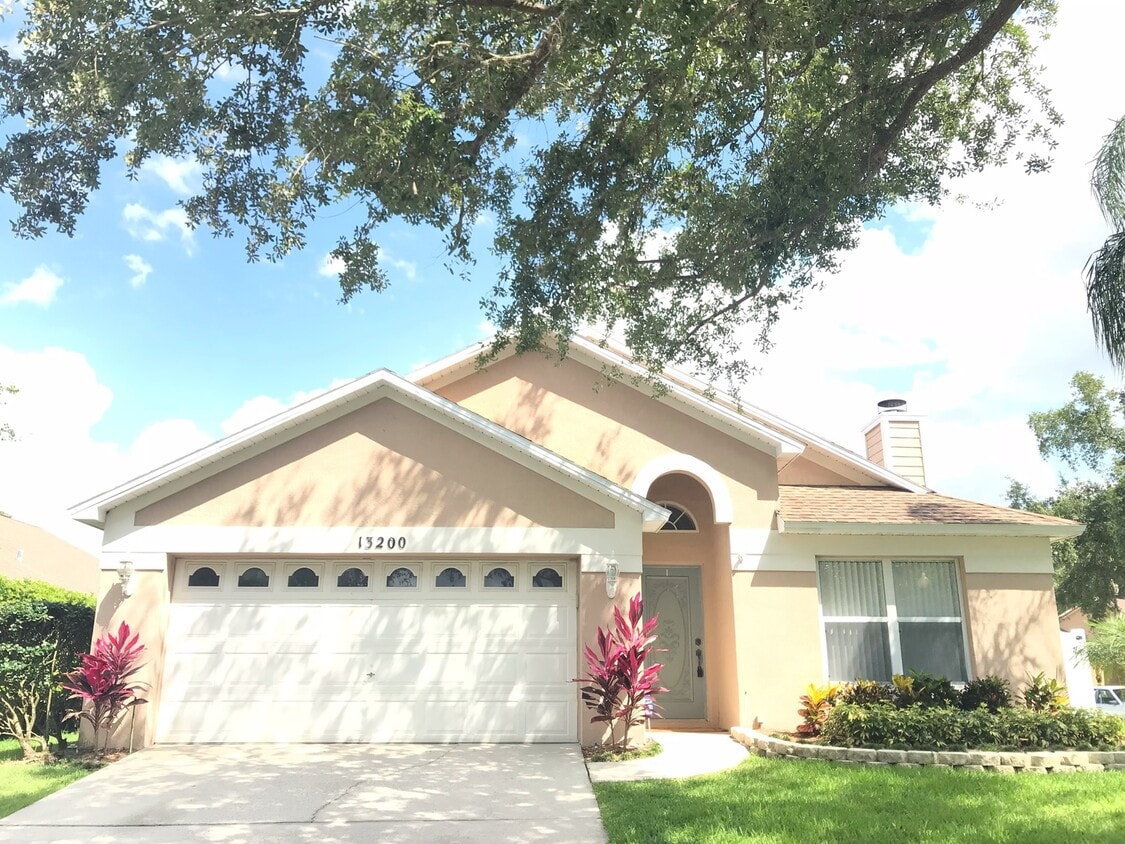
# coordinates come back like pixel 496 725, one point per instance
pixel 673 593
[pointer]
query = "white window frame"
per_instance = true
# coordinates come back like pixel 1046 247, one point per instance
pixel 892 618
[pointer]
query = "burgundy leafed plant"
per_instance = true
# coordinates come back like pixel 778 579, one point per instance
pixel 104 681
pixel 619 682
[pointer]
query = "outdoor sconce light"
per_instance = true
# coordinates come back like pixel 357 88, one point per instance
pixel 125 577
pixel 610 579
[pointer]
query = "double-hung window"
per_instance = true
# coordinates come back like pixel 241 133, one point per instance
pixel 884 617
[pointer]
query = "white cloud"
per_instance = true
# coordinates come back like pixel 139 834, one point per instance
pixel 140 267
pixel 259 408
pixel 39 288
pixel 55 460
pixel 407 268
pixel 486 327
pixel 177 173
pixel 330 265
pixel 987 320
pixel 153 226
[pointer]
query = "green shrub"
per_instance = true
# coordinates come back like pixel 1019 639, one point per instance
pixel 37 613
pixel 932 689
pixel 945 728
pixel 993 693
pixel 866 692
pixel 1043 695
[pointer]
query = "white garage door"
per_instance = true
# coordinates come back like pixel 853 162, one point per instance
pixel 335 651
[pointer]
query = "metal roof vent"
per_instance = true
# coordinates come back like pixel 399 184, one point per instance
pixel 892 406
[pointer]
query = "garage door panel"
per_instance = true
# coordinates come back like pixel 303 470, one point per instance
pixel 475 667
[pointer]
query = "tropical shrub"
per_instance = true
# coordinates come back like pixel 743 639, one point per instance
pixel 993 693
pixel 103 683
pixel 816 703
pixel 924 689
pixel 1044 695
pixel 944 728
pixel 866 692
pixel 620 687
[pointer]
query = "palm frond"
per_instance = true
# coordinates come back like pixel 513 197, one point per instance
pixel 1105 296
pixel 1108 179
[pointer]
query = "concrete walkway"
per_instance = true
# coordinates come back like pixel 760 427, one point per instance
pixel 685 755
pixel 324 793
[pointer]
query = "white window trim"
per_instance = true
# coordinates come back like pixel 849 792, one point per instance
pixel 892 618
pixel 685 511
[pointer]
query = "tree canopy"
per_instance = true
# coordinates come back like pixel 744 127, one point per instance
pixel 1088 435
pixel 668 169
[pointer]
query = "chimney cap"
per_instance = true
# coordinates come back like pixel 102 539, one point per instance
pixel 892 406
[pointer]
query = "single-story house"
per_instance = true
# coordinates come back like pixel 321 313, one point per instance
pixel 422 558
pixel 29 551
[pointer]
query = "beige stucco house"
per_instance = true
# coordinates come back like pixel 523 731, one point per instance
pixel 422 559
pixel 29 551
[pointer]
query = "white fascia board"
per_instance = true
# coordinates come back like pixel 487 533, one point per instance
pixel 377 384
pixel 745 428
pixel 93 510
pixel 779 426
pixel 788 440
pixel 1052 532
pixel 435 375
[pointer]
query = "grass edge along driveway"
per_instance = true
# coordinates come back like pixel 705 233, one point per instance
pixel 22 783
pixel 769 800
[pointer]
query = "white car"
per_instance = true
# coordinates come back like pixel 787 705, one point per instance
pixel 1110 699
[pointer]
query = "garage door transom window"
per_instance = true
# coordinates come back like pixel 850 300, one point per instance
pixel 254 577
pixel 450 577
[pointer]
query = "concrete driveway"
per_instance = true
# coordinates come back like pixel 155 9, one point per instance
pixel 324 793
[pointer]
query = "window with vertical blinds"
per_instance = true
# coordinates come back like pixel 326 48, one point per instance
pixel 885 617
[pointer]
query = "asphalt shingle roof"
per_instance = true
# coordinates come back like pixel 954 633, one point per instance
pixel 883 505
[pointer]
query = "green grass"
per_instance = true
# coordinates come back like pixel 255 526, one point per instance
pixel 776 801
pixel 22 783
pixel 651 749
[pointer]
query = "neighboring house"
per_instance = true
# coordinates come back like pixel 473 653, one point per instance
pixel 1075 619
pixel 31 552
pixel 423 559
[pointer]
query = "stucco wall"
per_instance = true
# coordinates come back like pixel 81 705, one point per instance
pixel 30 551
pixel 381 464
pixel 146 613
pixel 595 610
pixel 614 430
pixel 1013 626
pixel 779 638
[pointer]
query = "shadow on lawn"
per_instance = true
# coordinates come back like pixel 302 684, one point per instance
pixel 779 801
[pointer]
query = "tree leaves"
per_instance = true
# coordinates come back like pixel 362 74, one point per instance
pixel 669 170
pixel 1087 432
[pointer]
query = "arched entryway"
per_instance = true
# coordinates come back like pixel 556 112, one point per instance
pixel 687 582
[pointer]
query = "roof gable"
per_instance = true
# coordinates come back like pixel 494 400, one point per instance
pixel 753 424
pixel 336 403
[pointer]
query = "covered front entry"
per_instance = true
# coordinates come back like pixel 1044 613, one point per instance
pixel 673 592
pixel 334 650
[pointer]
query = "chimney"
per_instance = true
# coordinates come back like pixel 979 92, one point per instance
pixel 894 441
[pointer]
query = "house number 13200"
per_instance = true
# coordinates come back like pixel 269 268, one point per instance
pixel 382 543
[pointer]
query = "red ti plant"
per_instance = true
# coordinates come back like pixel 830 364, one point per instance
pixel 619 682
pixel 104 681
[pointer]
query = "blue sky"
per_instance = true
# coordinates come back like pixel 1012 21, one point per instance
pixel 138 340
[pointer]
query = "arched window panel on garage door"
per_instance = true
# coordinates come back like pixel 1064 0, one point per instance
pixel 304 577
pixel 205 575
pixel 547 577
pixel 499 577
pixel 352 577
pixel 255 577
pixel 450 577
pixel 402 577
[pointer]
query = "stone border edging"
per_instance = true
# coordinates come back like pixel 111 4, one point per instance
pixel 997 762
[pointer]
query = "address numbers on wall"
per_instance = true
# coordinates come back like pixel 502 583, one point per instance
pixel 381 543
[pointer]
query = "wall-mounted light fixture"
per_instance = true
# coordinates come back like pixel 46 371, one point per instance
pixel 610 578
pixel 125 577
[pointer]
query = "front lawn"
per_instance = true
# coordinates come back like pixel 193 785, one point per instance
pixel 22 783
pixel 769 800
